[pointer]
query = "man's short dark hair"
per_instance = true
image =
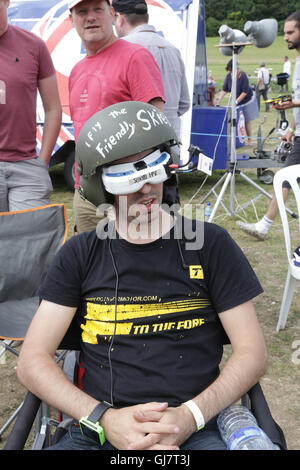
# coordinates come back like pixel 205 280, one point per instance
pixel 135 11
pixel 295 17
pixel 135 20
pixel 139 7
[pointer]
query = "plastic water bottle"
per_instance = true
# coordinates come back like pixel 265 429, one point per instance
pixel 207 211
pixel 296 256
pixel 240 431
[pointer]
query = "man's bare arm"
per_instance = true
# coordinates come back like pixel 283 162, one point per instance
pixel 37 369
pixel 245 366
pixel 53 115
pixel 158 103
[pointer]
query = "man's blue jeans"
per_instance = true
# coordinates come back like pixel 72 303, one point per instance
pixel 207 439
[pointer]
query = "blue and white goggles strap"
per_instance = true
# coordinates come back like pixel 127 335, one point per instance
pixel 130 177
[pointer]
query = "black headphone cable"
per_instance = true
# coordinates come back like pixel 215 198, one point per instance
pixel 115 326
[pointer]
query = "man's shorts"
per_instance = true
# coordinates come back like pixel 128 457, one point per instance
pixel 85 213
pixel 24 185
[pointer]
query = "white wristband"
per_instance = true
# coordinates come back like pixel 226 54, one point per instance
pixel 196 412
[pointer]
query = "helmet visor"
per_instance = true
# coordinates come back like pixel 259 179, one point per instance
pixel 130 177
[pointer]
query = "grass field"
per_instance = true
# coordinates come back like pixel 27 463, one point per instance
pixel 281 383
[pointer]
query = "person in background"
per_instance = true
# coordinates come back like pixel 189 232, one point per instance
pixel 244 96
pixel 131 23
pixel 263 79
pixel 25 68
pixel 113 70
pixel 261 228
pixel 287 68
pixel 211 84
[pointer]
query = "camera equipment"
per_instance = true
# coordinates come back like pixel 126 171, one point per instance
pixel 275 158
pixel 231 36
pixel 261 34
pixel 282 151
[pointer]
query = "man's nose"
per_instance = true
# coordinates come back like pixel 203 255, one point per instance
pixel 146 188
pixel 91 15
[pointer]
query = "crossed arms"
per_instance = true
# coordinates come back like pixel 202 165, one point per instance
pixel 153 426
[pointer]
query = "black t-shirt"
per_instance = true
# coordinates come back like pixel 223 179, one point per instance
pixel 167 341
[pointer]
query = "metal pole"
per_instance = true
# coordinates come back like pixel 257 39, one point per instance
pixel 233 127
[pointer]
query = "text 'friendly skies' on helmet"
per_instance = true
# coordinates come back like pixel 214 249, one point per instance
pixel 119 131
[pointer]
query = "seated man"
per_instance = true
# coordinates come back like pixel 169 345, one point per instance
pixel 154 307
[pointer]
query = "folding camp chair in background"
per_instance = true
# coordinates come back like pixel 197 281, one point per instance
pixel 29 239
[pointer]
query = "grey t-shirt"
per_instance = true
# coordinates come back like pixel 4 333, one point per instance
pixel 296 95
pixel 172 69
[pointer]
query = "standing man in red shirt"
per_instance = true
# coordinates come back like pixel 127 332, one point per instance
pixel 25 67
pixel 113 71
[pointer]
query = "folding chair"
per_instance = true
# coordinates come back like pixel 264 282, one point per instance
pixel 290 174
pixel 29 239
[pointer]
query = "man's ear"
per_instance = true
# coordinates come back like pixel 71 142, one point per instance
pixel 113 14
pixel 121 19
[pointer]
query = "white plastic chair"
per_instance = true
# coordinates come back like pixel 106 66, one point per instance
pixel 290 174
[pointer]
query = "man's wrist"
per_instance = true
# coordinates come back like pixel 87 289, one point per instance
pixel 105 418
pixel 90 425
pixel 45 158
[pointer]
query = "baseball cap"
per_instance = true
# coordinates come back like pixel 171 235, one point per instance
pixel 130 6
pixel 73 3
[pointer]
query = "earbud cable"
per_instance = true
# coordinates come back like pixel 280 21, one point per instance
pixel 115 326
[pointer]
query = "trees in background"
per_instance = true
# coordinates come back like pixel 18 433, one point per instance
pixel 235 13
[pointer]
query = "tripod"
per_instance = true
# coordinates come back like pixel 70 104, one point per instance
pixel 230 174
